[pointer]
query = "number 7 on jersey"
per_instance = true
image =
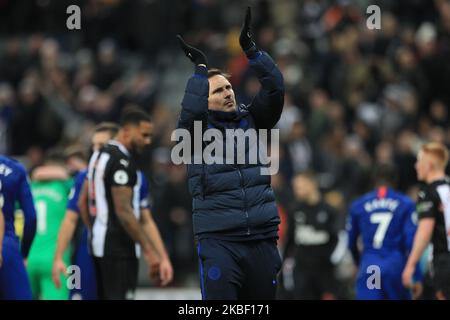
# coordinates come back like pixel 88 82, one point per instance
pixel 382 219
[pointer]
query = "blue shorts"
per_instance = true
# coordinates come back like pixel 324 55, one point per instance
pixel 389 285
pixel 238 270
pixel 88 284
pixel 14 282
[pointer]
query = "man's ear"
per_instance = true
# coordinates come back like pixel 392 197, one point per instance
pixel 432 165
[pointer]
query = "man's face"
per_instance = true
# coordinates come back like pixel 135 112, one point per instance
pixel 423 165
pixel 141 136
pixel 221 94
pixel 303 187
pixel 99 139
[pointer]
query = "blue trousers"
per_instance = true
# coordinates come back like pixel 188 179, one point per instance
pixel 238 270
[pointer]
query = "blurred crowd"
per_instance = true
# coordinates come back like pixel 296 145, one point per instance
pixel 355 97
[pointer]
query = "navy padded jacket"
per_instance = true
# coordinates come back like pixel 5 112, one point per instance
pixel 234 200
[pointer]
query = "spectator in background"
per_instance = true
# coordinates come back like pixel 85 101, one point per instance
pixel 12 65
pixel 33 123
pixel 174 216
pixel 299 148
pixel 313 228
pixel 6 112
pixel 109 68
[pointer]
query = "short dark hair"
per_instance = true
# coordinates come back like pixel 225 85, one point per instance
pixel 385 174
pixel 215 72
pixel 133 116
pixel 74 151
pixel 110 127
pixel 54 156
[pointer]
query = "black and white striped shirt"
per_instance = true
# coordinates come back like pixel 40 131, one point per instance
pixel 111 166
pixel 434 202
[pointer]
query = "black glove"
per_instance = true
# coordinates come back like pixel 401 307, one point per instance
pixel 245 39
pixel 195 55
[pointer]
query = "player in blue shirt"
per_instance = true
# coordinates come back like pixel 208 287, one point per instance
pixel 15 188
pixel 2 232
pixel 88 289
pixel 386 221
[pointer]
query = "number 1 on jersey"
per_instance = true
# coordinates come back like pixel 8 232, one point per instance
pixel 382 219
pixel 41 208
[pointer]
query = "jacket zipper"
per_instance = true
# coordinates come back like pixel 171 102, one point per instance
pixel 245 199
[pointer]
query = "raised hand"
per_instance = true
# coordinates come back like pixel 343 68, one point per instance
pixel 246 38
pixel 194 54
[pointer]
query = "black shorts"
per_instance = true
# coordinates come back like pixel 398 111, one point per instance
pixel 441 278
pixel 314 283
pixel 116 278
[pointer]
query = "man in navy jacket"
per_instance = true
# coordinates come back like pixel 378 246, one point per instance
pixel 235 215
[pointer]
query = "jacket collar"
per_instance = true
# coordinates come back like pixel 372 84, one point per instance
pixel 227 116
pixel 223 116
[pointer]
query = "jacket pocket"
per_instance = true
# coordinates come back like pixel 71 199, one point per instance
pixel 195 181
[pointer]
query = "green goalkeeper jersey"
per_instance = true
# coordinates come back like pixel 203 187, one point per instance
pixel 50 201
